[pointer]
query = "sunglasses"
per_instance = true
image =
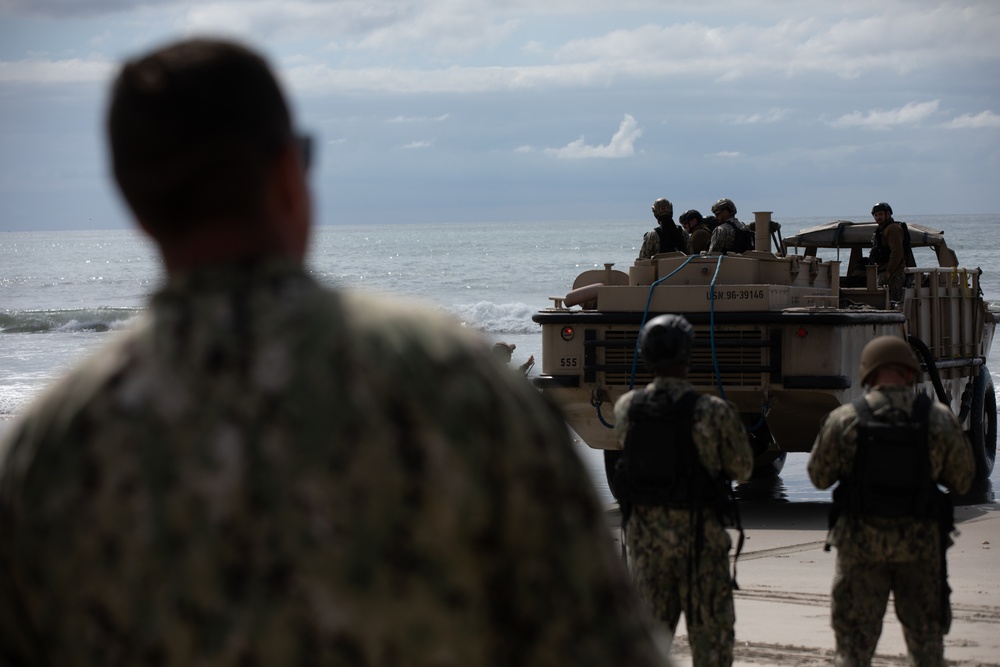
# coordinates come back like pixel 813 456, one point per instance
pixel 304 145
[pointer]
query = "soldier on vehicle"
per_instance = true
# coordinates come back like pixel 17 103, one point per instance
pixel 680 452
pixel 730 235
pixel 699 233
pixel 890 251
pixel 269 472
pixel 666 237
pixel 891 524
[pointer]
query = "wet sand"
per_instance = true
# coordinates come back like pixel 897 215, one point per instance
pixel 783 605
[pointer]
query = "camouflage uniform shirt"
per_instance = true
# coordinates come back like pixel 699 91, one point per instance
pixel 651 243
pixel 832 459
pixel 266 472
pixel 724 236
pixel 665 566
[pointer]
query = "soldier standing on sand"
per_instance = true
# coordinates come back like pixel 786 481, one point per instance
pixel 666 237
pixel 890 251
pixel 680 451
pixel 699 233
pixel 890 523
pixel 268 472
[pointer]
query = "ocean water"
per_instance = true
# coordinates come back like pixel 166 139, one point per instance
pixel 62 294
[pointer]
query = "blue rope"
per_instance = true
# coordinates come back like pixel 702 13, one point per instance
pixel 635 354
pixel 597 404
pixel 715 357
pixel 711 330
pixel 645 314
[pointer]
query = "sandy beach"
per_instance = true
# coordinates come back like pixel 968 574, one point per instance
pixel 782 607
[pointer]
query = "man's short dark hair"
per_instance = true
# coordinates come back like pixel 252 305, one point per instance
pixel 194 127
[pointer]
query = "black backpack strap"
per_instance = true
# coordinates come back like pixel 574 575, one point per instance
pixel 670 239
pixel 725 507
pixel 943 509
pixel 663 239
pixel 841 494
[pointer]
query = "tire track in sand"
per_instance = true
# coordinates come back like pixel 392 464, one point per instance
pixel 801 656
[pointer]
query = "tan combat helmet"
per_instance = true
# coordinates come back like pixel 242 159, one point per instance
pixel 662 208
pixel 883 351
pixel 724 204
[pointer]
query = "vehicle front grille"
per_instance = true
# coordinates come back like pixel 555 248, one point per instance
pixel 743 357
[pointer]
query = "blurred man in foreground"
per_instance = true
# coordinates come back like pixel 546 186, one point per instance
pixel 266 472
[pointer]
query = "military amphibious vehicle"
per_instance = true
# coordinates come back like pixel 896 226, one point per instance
pixel 778 334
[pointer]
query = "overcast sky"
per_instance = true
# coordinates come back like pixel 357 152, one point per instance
pixel 545 110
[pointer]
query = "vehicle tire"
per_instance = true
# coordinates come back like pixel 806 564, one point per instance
pixel 982 431
pixel 768 465
pixel 611 457
pixel 767 459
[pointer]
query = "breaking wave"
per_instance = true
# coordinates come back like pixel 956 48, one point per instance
pixel 63 321
pixel 494 318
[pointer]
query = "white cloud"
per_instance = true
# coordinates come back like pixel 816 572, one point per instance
pixel 859 41
pixel 73 70
pixel 442 28
pixel 880 119
pixel 981 120
pixel 727 154
pixel 322 78
pixel 421 46
pixel 622 144
pixel 770 116
pixel 418 144
pixel 419 119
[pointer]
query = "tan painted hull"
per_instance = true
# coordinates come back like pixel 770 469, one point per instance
pixel 779 335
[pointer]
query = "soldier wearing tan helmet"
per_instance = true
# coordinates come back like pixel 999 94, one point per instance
pixel 889 450
pixel 666 237
pixel 730 235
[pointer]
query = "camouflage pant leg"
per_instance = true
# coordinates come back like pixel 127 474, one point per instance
pixel 917 589
pixel 896 284
pixel 711 624
pixel 657 575
pixel 859 598
pixel 660 571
